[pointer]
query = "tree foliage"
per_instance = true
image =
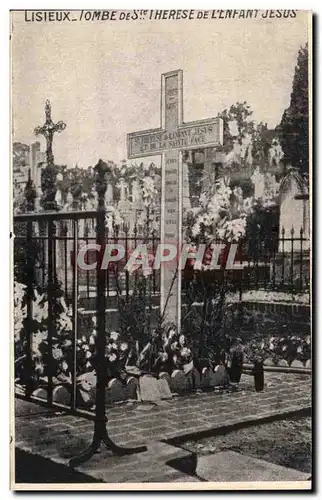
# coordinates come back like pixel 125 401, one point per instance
pixel 294 127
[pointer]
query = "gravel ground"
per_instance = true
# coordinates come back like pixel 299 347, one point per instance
pixel 286 442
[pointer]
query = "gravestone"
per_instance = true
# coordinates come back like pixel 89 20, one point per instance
pixel 164 388
pixel 173 136
pixel 292 262
pixel 294 212
pixel 258 179
pixel 148 389
pixel 178 381
pixel 62 395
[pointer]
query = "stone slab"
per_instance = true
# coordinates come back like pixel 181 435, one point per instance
pixel 164 388
pixel 148 466
pixel 149 389
pixel 232 466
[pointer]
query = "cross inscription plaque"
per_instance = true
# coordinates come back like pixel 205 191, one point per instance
pixel 173 135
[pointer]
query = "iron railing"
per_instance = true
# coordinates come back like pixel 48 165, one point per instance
pixel 40 245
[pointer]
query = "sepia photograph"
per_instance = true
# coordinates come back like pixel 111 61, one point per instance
pixel 161 179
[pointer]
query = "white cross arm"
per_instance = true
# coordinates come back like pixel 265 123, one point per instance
pixel 193 135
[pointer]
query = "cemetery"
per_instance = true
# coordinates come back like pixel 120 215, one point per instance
pixel 87 340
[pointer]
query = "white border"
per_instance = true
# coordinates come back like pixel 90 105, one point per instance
pixel 4 198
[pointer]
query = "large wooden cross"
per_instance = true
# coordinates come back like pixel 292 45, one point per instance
pixel 173 136
pixel 48 130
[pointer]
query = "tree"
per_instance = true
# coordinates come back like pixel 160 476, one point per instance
pixel 293 128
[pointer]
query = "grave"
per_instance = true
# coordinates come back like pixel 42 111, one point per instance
pixel 173 136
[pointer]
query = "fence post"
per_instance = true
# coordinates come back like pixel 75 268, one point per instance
pixel 29 301
pixel 101 186
pixel 100 430
pixel 51 312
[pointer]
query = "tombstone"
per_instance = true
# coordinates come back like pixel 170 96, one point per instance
pixel 59 198
pixel 292 262
pixel 282 362
pixel 114 390
pixel 178 381
pixel 109 198
pixel 219 377
pixel 148 389
pixel 269 362
pixel 136 195
pixel 41 393
pixel 164 388
pixel 192 376
pixel 258 179
pixel 296 363
pixel 173 136
pixel 62 395
pixel 206 374
pixel 69 199
pixel 131 388
pixel 294 212
pixel 165 376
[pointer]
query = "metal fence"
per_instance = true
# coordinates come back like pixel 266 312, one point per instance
pixel 46 246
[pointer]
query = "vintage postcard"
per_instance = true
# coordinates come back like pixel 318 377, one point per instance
pixel 161 249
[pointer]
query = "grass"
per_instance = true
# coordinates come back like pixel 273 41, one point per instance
pixel 285 442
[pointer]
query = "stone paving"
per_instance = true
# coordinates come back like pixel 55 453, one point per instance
pixel 58 436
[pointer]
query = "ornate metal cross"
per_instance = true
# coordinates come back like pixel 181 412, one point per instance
pixel 48 130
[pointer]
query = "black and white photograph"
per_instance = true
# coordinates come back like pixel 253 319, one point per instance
pixel 161 179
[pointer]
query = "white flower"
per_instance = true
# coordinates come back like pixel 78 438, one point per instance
pixel 88 354
pixel 64 366
pixel 84 339
pixel 85 347
pixel 248 205
pixel 174 346
pixel 172 333
pixel 236 228
pixel 92 340
pixel 114 335
pixel 112 357
pixel 57 353
pixel 39 367
pixel 182 340
pixel 123 346
pixel 114 346
pixel 195 229
pixel 185 352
